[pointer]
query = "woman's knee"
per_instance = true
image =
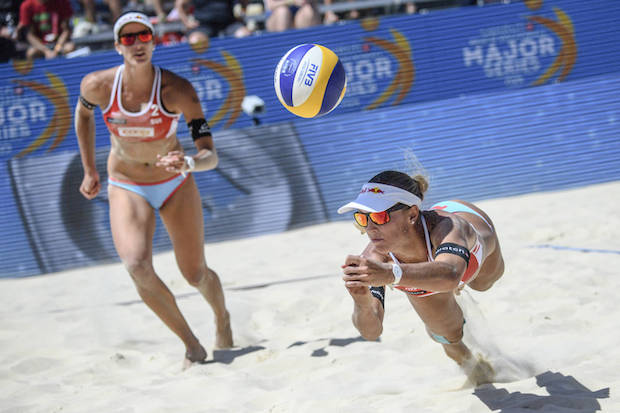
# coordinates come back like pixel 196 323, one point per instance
pixel 306 16
pixel 449 335
pixel 489 273
pixel 68 47
pixel 32 53
pixel 195 276
pixel 197 37
pixel 281 19
pixel 141 270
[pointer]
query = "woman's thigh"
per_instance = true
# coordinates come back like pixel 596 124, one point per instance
pixel 493 263
pixel 182 215
pixel 132 221
pixel 441 314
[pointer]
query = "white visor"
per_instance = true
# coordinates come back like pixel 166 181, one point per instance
pixel 133 17
pixel 379 197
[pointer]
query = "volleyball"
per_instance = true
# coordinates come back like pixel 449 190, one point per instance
pixel 310 80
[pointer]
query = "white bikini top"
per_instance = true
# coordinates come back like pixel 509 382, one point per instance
pixel 427 238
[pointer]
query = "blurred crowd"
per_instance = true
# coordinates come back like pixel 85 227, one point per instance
pixel 48 29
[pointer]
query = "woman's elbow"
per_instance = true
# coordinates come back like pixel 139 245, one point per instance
pixel 451 280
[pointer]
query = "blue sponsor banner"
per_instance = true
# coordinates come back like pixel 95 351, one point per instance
pixel 479 64
pixel 389 61
pixel 484 146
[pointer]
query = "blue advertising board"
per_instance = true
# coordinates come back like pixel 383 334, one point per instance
pixel 509 88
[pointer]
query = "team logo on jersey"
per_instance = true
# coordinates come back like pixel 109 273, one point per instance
pixel 116 121
pixel 136 132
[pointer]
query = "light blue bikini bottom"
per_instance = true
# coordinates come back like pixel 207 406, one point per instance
pixel 156 193
pixel 442 339
pixel 454 206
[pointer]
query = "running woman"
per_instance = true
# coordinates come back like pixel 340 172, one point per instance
pixel 149 173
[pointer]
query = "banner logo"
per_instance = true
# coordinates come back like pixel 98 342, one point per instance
pixel 23 113
pixel 522 53
pixel 403 80
pixel 376 62
pixel 564 30
pixel 232 73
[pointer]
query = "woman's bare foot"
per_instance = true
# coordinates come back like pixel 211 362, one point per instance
pixel 478 370
pixel 194 356
pixel 223 333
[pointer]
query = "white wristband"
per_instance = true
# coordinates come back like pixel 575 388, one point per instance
pixel 398 273
pixel 191 163
pixel 396 270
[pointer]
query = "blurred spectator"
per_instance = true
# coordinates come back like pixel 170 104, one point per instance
pixel 46 27
pixel 93 20
pixel 9 10
pixel 209 18
pixel 331 17
pixel 8 49
pixel 149 7
pixel 291 14
pixel 90 9
pixel 424 7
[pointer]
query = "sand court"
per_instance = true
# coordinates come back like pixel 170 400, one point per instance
pixel 82 340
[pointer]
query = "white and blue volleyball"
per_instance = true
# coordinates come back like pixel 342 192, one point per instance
pixel 310 80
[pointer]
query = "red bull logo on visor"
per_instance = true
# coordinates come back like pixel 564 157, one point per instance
pixel 374 190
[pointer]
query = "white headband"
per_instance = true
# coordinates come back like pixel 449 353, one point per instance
pixel 379 197
pixel 133 17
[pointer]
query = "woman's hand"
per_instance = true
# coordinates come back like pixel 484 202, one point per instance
pixel 91 185
pixel 367 310
pixel 364 272
pixel 173 161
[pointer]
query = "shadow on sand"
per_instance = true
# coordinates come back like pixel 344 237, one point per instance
pixel 565 395
pixel 336 342
pixel 228 356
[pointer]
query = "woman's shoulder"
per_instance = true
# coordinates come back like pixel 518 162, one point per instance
pixel 169 78
pixel 448 227
pixel 100 78
pixel 176 91
pixel 96 86
pixel 443 223
pixel 174 87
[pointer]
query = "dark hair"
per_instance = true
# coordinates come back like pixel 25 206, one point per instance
pixel 416 185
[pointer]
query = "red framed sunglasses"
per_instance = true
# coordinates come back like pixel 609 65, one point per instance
pixel 128 39
pixel 379 218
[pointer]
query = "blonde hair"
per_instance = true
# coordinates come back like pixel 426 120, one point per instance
pixel 416 171
pixel 415 181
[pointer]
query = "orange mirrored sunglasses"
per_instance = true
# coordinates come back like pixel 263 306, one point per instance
pixel 378 218
pixel 128 39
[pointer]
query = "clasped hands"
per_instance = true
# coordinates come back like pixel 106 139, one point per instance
pixel 173 161
pixel 364 272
